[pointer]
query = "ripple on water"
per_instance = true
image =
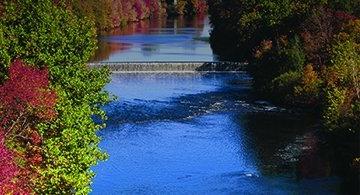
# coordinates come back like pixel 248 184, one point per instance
pixel 199 133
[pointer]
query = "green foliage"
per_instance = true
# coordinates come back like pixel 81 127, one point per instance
pixel 4 56
pixel 332 112
pixel 350 6
pixel 346 57
pixel 252 22
pixel 301 53
pixel 308 91
pixel 301 87
pixel 95 11
pixel 341 110
pixel 275 61
pixel 282 87
pixel 292 55
pixel 46 35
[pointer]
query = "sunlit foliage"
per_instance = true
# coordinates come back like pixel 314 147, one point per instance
pixel 49 37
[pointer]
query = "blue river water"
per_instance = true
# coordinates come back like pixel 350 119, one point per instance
pixel 201 133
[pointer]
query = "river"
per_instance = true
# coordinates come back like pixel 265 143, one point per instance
pixel 199 133
pixel 177 39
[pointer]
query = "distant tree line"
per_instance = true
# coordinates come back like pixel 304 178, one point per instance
pixel 108 14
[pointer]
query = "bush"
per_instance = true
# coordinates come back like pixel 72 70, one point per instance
pixel 301 88
pixel 25 101
pixel 48 36
pixel 341 107
pixel 10 182
pixel 282 87
pixel 308 91
pixel 274 60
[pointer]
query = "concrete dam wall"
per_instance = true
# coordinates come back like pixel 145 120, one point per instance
pixel 172 66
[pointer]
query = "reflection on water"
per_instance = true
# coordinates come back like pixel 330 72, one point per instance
pixel 200 133
pixel 157 40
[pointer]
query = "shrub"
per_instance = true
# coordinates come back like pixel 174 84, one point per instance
pixel 341 107
pixel 25 96
pixel 308 91
pixel 275 58
pixel 10 182
pixel 25 101
pixel 282 87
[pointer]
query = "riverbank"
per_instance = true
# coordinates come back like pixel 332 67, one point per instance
pixel 302 55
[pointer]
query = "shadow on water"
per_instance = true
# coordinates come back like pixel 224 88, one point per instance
pixel 202 133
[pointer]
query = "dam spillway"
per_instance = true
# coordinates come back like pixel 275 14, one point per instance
pixel 172 66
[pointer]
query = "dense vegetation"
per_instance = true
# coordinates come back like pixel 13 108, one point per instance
pixel 300 53
pixel 109 14
pixel 187 7
pixel 48 95
pixel 48 99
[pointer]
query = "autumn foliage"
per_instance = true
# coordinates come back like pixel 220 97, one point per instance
pixel 300 53
pixel 11 180
pixel 191 7
pixel 109 14
pixel 25 101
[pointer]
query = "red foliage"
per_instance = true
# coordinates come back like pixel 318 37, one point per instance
pixel 200 6
pixel 318 32
pixel 343 16
pixel 26 93
pixel 25 100
pixel 11 181
pixel 140 9
pixel 133 10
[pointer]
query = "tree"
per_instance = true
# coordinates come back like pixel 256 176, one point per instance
pixel 46 35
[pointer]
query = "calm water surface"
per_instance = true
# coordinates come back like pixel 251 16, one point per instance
pixel 157 40
pixel 202 134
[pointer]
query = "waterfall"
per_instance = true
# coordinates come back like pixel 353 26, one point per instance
pixel 172 66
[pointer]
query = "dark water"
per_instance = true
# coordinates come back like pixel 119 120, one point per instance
pixel 157 40
pixel 203 134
